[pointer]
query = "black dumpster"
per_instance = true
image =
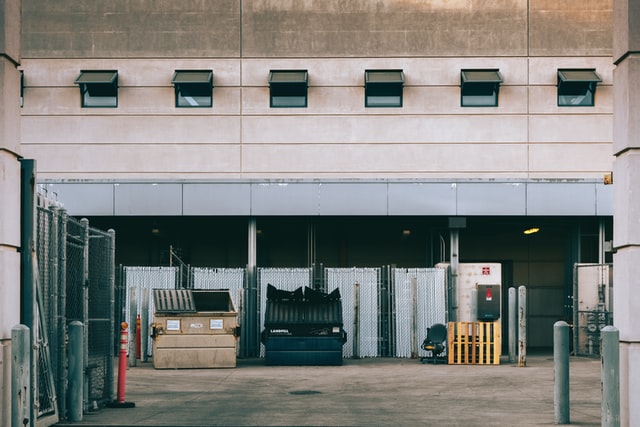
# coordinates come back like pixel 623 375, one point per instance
pixel 303 327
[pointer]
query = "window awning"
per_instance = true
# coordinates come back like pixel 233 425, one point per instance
pixel 192 77
pixel 384 77
pixel 578 76
pixel 97 77
pixel 297 77
pixel 491 76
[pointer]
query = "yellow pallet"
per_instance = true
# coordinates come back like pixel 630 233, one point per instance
pixel 474 343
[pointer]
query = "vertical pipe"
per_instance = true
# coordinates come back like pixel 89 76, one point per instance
pixel 455 264
pixel 133 310
pixel 610 353
pixel 414 317
pixel 76 368
pixel 522 326
pixel 85 316
pixel 144 325
pixel 251 333
pixel 561 372
pixel 356 320
pixel 513 321
pixel 112 301
pixel 28 280
pixel 21 395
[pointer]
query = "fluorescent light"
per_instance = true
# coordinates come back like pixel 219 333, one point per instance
pixel 531 230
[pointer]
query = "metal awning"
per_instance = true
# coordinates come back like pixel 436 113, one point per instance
pixel 578 76
pixel 97 77
pixel 489 76
pixel 192 77
pixel 298 77
pixel 384 77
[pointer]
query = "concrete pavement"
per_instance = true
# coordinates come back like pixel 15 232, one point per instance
pixel 362 392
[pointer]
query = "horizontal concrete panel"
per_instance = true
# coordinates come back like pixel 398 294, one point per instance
pixel 132 72
pixel 84 198
pixel 561 199
pixel 131 101
pixel 385 129
pixel 353 199
pixel 9 291
pixel 577 158
pixel 544 100
pixel 571 128
pixel 120 28
pixel 388 28
pixel 137 160
pixel 384 158
pixel 443 71
pixel 544 70
pixel 569 28
pixel 216 199
pixel 100 129
pixel 282 198
pixel 148 199
pixel 491 199
pixel 422 198
pixel 10 185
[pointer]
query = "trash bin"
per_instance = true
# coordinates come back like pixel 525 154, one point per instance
pixel 194 329
pixel 303 328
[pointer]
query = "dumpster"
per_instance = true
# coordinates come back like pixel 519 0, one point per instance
pixel 194 329
pixel 303 327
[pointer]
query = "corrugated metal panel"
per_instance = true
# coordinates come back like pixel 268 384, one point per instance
pixel 173 301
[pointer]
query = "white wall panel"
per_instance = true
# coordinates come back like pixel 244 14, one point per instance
pixel 571 128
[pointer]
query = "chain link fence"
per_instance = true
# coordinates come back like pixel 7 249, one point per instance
pixel 75 281
pixel 592 306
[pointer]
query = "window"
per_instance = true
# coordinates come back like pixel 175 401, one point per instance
pixel 98 88
pixel 288 88
pixel 383 88
pixel 193 88
pixel 479 88
pixel 577 87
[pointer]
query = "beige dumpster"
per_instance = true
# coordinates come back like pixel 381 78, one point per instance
pixel 193 329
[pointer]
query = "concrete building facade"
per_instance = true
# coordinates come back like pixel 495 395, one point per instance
pixel 333 181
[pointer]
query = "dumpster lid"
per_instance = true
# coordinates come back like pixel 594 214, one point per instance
pixel 173 301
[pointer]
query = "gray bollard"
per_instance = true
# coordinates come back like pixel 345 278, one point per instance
pixel 20 376
pixel 76 368
pixel 610 353
pixel 561 372
pixel 522 326
pixel 513 320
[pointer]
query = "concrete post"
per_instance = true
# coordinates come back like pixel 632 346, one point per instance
pixel 626 201
pixel 522 326
pixel 561 372
pixel 76 370
pixel 21 395
pixel 513 320
pixel 610 355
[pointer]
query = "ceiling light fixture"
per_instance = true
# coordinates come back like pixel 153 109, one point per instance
pixel 531 230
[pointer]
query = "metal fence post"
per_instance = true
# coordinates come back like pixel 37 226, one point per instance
pixel 513 320
pixel 561 372
pixel 610 354
pixel 76 368
pixel 62 310
pixel 85 306
pixel 522 326
pixel 414 317
pixel 356 321
pixel 21 377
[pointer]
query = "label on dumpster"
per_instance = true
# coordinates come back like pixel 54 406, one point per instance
pixel 215 324
pixel 197 326
pixel 173 325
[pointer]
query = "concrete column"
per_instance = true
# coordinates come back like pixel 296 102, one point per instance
pixel 626 175
pixel 9 193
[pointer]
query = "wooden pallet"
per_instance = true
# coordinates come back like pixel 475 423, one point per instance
pixel 474 343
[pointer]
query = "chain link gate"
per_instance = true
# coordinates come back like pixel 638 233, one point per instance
pixel 592 306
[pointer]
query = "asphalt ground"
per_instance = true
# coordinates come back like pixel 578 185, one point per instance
pixel 361 392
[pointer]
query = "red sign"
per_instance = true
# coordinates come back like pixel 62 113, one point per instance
pixel 486 271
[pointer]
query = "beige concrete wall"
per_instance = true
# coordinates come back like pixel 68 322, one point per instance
pixel 431 136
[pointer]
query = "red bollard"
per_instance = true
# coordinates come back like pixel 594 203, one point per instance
pixel 122 369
